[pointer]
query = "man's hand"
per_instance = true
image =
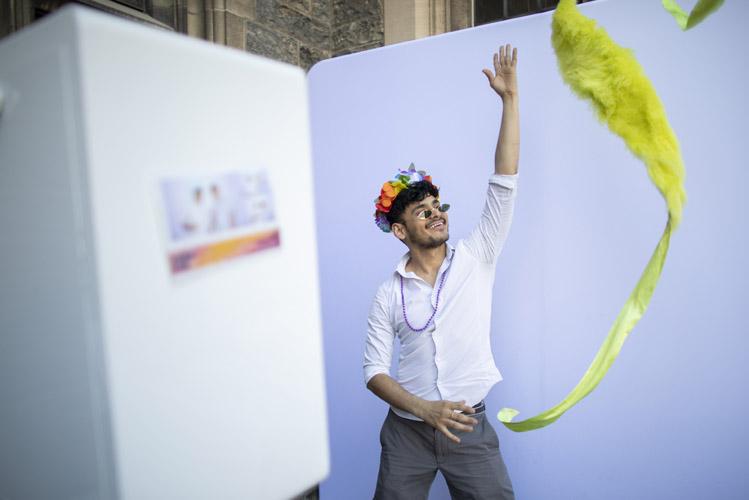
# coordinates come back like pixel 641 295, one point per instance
pixel 445 415
pixel 439 414
pixel 504 80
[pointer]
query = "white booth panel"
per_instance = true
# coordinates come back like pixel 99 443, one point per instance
pixel 212 371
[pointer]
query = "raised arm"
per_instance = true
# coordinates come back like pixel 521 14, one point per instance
pixel 504 83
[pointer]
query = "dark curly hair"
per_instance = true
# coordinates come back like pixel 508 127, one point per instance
pixel 415 192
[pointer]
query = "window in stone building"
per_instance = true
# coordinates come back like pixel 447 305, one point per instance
pixel 135 4
pixel 15 14
pixel 489 11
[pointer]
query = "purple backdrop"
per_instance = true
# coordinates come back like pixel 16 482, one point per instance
pixel 667 420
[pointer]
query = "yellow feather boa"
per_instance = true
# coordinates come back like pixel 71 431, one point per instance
pixel 609 76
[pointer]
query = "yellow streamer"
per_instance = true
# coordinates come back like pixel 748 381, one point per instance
pixel 700 11
pixel 609 76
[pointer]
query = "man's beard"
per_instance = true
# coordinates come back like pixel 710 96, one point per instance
pixel 432 241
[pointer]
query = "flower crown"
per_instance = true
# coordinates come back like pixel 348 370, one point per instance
pixel 389 191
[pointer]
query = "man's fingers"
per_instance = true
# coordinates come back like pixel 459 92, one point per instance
pixel 450 417
pixel 459 417
pixel 507 56
pixel 467 409
pixel 488 75
pixel 462 406
pixel 460 427
pixel 455 412
pixel 464 419
pixel 450 435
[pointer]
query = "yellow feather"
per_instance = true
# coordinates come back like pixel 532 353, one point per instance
pixel 599 70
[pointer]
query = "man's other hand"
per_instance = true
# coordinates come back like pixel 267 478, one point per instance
pixel 446 415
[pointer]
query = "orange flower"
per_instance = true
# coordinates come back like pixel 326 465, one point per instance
pixel 388 190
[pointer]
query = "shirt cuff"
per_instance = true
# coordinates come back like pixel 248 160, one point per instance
pixel 504 180
pixel 371 371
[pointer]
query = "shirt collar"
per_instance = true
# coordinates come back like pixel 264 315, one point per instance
pixel 401 267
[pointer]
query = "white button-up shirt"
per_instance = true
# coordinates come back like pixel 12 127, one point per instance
pixel 452 358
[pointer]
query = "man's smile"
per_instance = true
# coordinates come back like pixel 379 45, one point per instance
pixel 437 225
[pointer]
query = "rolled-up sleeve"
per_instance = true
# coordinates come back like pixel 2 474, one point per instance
pixel 378 351
pixel 487 239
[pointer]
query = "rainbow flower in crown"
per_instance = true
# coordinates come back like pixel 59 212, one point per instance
pixel 390 190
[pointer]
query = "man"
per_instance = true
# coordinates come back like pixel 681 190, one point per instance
pixel 220 215
pixel 438 304
pixel 196 218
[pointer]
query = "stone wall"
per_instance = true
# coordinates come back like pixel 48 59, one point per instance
pixel 303 32
pixel 299 32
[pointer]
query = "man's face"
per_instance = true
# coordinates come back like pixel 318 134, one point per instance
pixel 422 228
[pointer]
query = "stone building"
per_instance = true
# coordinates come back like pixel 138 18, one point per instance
pixel 299 32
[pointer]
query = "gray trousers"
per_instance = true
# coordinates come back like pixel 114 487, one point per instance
pixel 413 452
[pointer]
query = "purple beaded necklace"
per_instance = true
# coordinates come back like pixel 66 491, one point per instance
pixel 434 308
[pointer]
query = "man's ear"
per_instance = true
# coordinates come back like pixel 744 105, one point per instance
pixel 399 230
